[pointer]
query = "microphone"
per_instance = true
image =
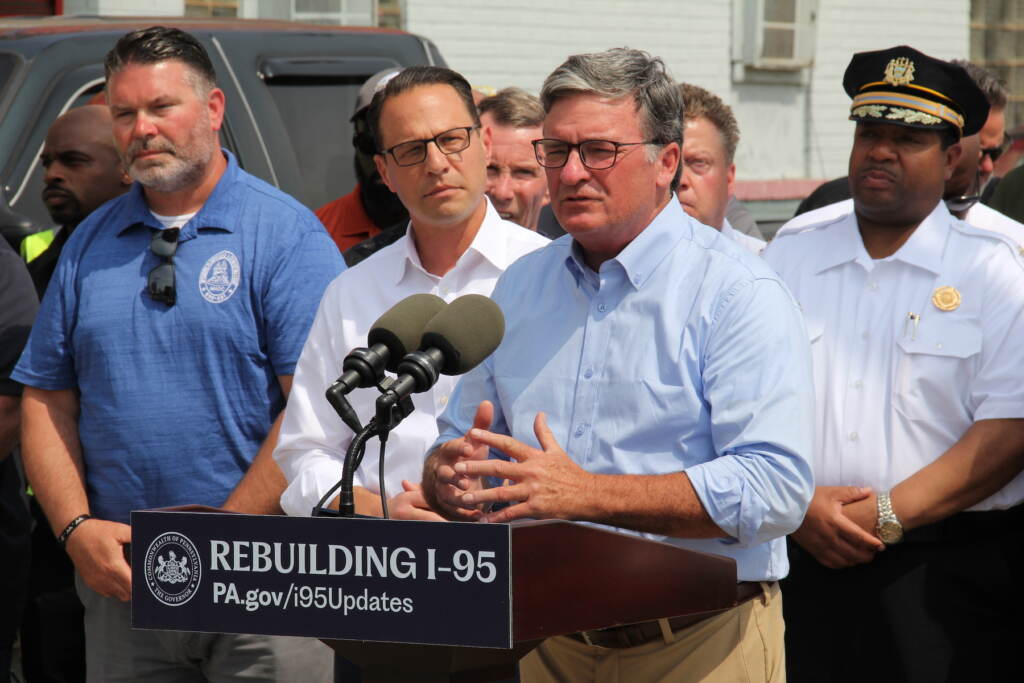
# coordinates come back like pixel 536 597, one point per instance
pixel 397 331
pixel 454 342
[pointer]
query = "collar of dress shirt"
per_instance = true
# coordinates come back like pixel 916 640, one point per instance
pixel 489 243
pixel 640 258
pixel 922 249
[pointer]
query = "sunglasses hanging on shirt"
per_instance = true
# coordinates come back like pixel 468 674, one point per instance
pixel 160 283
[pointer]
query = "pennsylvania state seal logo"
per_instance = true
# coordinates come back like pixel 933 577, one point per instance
pixel 172 569
pixel 219 277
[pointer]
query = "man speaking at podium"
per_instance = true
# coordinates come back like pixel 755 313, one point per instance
pixel 654 376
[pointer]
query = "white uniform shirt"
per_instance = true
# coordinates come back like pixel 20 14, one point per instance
pixel 748 242
pixel 895 392
pixel 979 215
pixel 313 440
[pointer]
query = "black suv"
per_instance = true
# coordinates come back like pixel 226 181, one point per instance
pixel 290 90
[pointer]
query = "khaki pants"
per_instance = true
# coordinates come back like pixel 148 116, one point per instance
pixel 741 645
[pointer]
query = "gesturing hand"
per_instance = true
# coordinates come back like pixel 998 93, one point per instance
pixel 544 483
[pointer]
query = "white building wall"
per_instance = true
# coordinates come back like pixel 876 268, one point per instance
pixel 788 131
pixel 498 44
pixel 936 27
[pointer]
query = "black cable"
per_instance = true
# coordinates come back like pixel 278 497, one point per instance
pixel 380 476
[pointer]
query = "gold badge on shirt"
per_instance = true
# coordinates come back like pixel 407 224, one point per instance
pixel 946 298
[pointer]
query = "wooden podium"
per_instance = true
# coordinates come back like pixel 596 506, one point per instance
pixel 558 577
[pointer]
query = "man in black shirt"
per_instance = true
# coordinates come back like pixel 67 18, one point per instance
pixel 17 309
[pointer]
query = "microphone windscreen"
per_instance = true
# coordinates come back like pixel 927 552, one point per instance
pixel 401 327
pixel 466 332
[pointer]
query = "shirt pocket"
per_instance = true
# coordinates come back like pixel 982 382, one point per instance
pixel 934 368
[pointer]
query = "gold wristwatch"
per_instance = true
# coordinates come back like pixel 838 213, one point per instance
pixel 888 526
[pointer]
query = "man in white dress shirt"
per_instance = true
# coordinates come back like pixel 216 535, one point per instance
pixel 710 136
pixel 433 156
pixel 903 567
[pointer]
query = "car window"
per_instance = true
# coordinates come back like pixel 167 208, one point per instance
pixel 315 96
pixel 7 64
pixel 316 115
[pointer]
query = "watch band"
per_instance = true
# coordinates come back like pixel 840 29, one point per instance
pixel 889 528
pixel 70 528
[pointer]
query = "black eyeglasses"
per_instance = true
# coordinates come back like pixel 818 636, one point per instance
pixel 160 284
pixel 596 155
pixel 994 153
pixel 414 152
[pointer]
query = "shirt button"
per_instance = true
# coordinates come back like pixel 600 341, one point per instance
pixel 865 335
pixel 602 308
pixel 857 384
pixel 579 430
pixel 443 400
pixel 938 346
pixel 873 286
pixel 854 436
pixel 588 373
pixel 445 291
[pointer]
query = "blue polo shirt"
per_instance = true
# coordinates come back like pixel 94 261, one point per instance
pixel 176 400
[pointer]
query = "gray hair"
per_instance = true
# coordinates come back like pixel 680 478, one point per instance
pixel 623 72
pixel 991 85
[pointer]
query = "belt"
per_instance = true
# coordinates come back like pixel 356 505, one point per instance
pixel 632 635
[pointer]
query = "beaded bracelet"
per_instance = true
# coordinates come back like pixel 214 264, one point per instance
pixel 70 528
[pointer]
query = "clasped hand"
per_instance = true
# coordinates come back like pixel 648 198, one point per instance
pixel 835 529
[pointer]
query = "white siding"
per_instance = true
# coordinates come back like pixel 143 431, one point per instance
pixel 936 27
pixel 498 44
pixel 788 131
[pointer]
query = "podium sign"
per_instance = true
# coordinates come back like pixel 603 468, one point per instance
pixel 361 579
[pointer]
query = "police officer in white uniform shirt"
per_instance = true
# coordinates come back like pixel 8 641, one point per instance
pixel 903 567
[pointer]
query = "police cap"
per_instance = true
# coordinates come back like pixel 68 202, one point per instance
pixel 908 88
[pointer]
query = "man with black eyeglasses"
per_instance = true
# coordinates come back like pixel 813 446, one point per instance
pixel 163 353
pixel 431 153
pixel 654 377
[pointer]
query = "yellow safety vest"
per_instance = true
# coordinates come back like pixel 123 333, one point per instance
pixel 36 243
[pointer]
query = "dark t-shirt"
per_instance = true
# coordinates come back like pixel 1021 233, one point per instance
pixel 1009 195
pixel 41 267
pixel 18 304
pixel 831 192
pixel 17 309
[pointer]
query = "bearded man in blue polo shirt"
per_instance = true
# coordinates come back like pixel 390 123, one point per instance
pixel 163 353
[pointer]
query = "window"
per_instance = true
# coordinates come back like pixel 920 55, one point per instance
pixel 773 40
pixel 336 12
pixel 211 8
pixel 997 43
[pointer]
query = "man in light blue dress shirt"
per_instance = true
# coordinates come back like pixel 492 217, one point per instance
pixel 654 377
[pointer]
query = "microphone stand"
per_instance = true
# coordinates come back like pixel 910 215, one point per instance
pixel 389 414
